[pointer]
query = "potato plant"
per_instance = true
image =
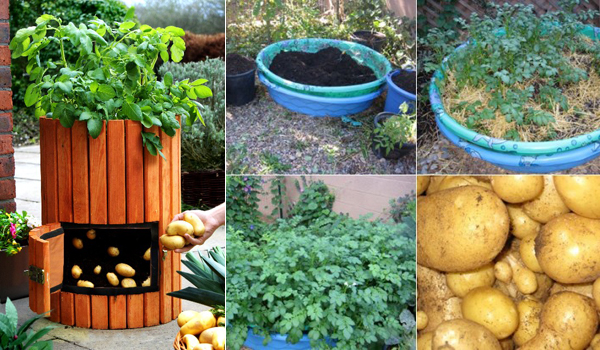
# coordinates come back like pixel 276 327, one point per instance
pixel 508 262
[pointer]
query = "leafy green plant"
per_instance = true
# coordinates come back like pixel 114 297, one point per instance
pixel 315 200
pixel 112 78
pixel 396 130
pixel 207 277
pixel 242 205
pixel 13 337
pixel 14 231
pixel 404 209
pixel 272 164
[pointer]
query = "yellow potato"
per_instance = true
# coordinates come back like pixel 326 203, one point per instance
pixel 492 309
pixel 125 270
pixel 77 243
pixel 207 335
pixel 517 188
pixel 527 251
pixel 595 344
pixel 172 242
pixel 86 284
pixel 580 194
pixel 196 223
pixel 185 316
pixel 421 320
pixel 435 298
pixel 547 205
pixel 521 225
pixel 128 283
pixel 503 272
pixel 221 321
pixel 113 251
pixel 97 269
pixel 568 249
pixel 147 254
pixel 460 181
pixel 76 271
pixel 112 279
pixel 529 320
pixel 461 283
pixel 204 347
pixel 218 341
pixel 434 184
pixel 422 184
pixel 180 228
pixel 201 322
pixel 424 341
pixel 147 282
pixel 596 293
pixel 525 280
pixel 91 234
pixel 190 341
pixel 464 335
pixel 460 229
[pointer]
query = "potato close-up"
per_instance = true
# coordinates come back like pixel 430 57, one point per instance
pixel 508 262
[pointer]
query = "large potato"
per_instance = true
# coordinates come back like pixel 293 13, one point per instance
pixel 125 270
pixel 434 184
pixel 459 181
pixel 580 193
pixel 463 334
pixel 492 309
pixel 518 188
pixel 172 242
pixel 461 283
pixel 529 320
pixel 196 223
pixel 422 184
pixel 568 249
pixel 460 229
pixel 180 227
pixel 521 225
pixel 547 205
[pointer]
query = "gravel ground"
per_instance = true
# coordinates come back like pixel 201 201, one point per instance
pixel 265 138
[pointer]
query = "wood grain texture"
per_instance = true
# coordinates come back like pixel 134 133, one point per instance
pixel 48 156
pixel 166 195
pixel 67 308
pixel 151 309
pixel 117 210
pixel 99 311
pixel 117 312
pixel 151 183
pixel 134 164
pixel 81 182
pixel 65 174
pixel 33 290
pixel 135 311
pixel 55 305
pixel 98 183
pixel 176 209
pixel 83 307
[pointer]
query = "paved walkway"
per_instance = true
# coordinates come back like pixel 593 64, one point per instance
pixel 27 178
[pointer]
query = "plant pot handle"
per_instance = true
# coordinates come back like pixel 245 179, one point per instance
pixel 409 66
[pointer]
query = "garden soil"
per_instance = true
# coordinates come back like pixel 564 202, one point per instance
pixel 407 81
pixel 327 67
pixel 237 64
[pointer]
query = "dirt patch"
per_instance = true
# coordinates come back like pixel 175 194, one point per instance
pixel 236 64
pixel 406 81
pixel 327 67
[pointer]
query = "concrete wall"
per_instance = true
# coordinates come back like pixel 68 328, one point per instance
pixel 403 8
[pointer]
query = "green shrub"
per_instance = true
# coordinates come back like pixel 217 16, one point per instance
pixel 203 146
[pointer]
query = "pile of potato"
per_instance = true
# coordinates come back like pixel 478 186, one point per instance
pixel 202 330
pixel 176 231
pixel 508 262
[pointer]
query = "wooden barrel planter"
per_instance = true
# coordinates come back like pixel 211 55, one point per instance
pixel 113 185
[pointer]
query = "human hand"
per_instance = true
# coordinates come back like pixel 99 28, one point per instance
pixel 212 219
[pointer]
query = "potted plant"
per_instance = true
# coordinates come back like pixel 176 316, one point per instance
pixel 402 88
pixel 111 79
pixel 240 79
pixel 394 135
pixel 369 38
pixel 13 337
pixel 14 254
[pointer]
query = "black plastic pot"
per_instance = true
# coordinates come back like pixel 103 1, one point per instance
pixel 376 42
pixel 398 151
pixel 240 88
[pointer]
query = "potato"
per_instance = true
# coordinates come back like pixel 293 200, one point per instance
pixel 517 188
pixel 580 194
pixel 185 316
pixel 527 251
pixel 596 293
pixel 207 335
pixel 172 242
pixel 421 320
pixel 568 249
pixel 204 347
pixel 77 243
pixel 86 284
pixel 464 335
pixel 503 271
pixel 201 322
pixel 76 271
pixel 547 205
pixel 91 234
pixel 492 309
pixel 221 321
pixel 460 229
pixel 595 344
pixel 113 251
pixel 147 282
pixel 196 223
pixel 521 225
pixel 97 269
pixel 190 341
pixel 218 340
pixel 112 279
pixel 424 341
pixel 147 254
pixel 422 184
pixel 434 184
pixel 435 298
pixel 180 228
pixel 525 281
pixel 128 283
pixel 459 181
pixel 461 283
pixel 125 270
pixel 529 320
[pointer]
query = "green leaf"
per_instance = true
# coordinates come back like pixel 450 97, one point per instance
pixel 130 13
pixel 132 111
pixel 105 92
pixel 203 91
pixel 94 126
pixel 124 27
pixel 198 82
pixel 176 54
pixel 11 314
pixel 32 95
pixel 164 54
pixel 96 37
pixel 86 43
pixel 66 87
pixel 65 115
pixel 168 79
pixel 176 31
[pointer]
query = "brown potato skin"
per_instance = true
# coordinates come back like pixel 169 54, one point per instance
pixel 460 229
pixel 568 249
pixel 580 194
pixel 518 188
pixel 547 205
pixel 463 334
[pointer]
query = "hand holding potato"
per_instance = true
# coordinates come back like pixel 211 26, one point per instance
pixel 211 219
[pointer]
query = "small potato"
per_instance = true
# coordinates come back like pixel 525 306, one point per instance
pixel 128 283
pixel 112 279
pixel 91 234
pixel 77 243
pixel 218 340
pixel 202 346
pixel 596 294
pixel 113 251
pixel 465 335
pixel 172 242
pixel 529 320
pixel 525 281
pixel 503 272
pixel 207 335
pixel 201 322
pixel 221 322
pixel 76 271
pixel 86 284
pixel 580 194
pixel 190 341
pixel 518 188
pixel 421 320
pixel 547 205
pixel 180 228
pixel 185 316
pixel 97 270
pixel 424 341
pixel 147 282
pixel 527 251
pixel 461 283
pixel 125 270
pixel 492 309
pixel 521 225
pixel 196 223
pixel 422 184
pixel 147 255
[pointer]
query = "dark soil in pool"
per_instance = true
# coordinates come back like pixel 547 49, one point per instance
pixel 327 67
pixel 407 81
pixel 237 64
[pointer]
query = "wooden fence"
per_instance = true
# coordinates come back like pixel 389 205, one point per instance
pixel 433 8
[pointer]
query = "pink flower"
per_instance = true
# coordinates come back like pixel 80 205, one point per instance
pixel 13 230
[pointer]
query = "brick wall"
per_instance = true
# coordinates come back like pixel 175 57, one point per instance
pixel 7 160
